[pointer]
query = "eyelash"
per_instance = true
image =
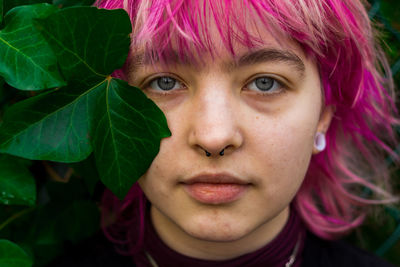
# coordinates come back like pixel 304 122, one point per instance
pixel 282 87
pixel 276 82
pixel 147 85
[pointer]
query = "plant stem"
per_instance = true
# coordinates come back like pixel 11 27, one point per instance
pixel 14 217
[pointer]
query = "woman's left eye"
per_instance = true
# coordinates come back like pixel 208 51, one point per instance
pixel 265 84
pixel 165 83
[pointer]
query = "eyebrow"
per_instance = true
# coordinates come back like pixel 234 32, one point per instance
pixel 268 55
pixel 254 57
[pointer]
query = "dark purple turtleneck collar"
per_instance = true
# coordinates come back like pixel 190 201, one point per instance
pixel 276 253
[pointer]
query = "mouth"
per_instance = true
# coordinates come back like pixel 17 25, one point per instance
pixel 215 188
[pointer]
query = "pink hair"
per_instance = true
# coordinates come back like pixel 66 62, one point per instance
pixel 351 173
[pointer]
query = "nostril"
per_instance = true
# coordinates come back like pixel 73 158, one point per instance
pixel 221 153
pixel 208 154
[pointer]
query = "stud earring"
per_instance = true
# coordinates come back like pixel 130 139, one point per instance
pixel 319 141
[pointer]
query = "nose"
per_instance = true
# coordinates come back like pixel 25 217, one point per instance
pixel 214 123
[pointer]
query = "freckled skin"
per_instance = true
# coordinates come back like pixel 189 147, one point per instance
pixel 268 141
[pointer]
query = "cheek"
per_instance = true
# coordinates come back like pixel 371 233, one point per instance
pixel 295 141
pixel 282 151
pixel 160 179
pixel 150 181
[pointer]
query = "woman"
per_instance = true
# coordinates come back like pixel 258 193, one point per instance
pixel 281 119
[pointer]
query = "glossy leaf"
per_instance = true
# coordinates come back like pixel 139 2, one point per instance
pixel 55 125
pixel 51 126
pixel 17 185
pixel 10 4
pixel 26 60
pixel 11 255
pixel 129 127
pixel 95 112
pixel 90 43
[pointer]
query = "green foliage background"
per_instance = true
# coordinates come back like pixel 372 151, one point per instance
pixel 381 231
pixel 63 112
pixel 46 204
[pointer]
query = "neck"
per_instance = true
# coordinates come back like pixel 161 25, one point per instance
pixel 184 243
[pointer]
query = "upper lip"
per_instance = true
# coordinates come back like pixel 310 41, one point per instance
pixel 215 178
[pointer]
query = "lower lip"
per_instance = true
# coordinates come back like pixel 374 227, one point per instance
pixel 209 193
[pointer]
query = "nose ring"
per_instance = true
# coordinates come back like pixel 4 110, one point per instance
pixel 221 153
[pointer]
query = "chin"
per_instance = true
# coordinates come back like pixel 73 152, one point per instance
pixel 217 237
pixel 212 231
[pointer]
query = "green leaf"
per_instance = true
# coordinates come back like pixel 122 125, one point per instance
pixel 26 60
pixel 90 43
pixel 127 126
pixel 68 3
pixel 51 126
pixel 17 185
pixel 1 11
pixel 10 4
pixel 55 125
pixel 11 255
pixel 127 136
pixel 95 112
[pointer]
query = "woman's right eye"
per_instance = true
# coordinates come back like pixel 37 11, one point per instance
pixel 164 83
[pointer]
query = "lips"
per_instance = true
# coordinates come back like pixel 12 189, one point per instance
pixel 215 188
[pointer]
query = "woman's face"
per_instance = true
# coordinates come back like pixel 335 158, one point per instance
pixel 262 109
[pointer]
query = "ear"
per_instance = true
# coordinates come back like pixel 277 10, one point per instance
pixel 324 122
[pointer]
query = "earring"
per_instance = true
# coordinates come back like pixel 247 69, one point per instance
pixel 319 141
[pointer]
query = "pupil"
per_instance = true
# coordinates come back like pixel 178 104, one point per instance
pixel 166 83
pixel 264 83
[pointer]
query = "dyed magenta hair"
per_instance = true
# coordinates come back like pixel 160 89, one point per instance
pixel 351 173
